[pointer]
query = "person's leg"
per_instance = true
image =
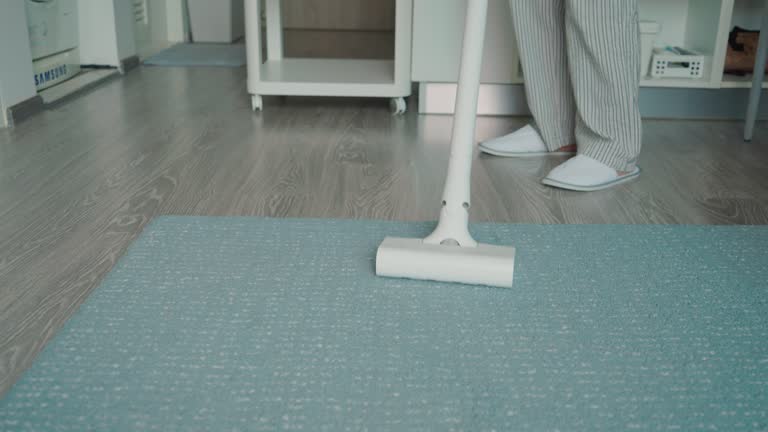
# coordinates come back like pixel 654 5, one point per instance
pixel 540 32
pixel 603 39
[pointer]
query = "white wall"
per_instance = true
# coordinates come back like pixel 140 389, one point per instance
pixel 748 14
pixel 16 76
pixel 106 31
pixel 216 21
pixel 671 15
pixel 166 24
pixel 126 43
pixel 158 20
pixel 438 28
pixel 98 37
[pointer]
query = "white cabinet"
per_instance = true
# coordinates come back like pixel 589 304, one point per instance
pixel 53 40
pixel 52 26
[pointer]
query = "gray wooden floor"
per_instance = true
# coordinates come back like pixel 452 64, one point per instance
pixel 78 183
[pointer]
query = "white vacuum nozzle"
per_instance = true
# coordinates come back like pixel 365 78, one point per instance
pixel 414 259
pixel 450 254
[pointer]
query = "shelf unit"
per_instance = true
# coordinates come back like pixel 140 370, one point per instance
pixel 278 75
pixel 699 25
pixel 702 25
pixel 738 81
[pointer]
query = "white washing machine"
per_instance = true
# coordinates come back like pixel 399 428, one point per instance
pixel 53 37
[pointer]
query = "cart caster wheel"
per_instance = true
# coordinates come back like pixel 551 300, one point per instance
pixel 398 106
pixel 257 103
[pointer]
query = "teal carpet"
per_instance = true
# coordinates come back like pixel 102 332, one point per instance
pixel 200 54
pixel 229 324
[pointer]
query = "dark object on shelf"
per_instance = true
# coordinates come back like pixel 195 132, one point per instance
pixel 742 51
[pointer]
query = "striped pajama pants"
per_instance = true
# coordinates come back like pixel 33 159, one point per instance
pixel 581 63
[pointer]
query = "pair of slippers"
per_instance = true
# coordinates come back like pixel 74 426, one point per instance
pixel 580 173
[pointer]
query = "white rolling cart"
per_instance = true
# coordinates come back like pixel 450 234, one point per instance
pixel 281 76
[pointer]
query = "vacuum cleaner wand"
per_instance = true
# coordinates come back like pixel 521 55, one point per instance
pixel 450 254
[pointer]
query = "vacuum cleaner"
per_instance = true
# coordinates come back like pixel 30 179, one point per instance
pixel 450 254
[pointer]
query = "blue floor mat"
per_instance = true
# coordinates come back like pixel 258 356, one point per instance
pixel 200 54
pixel 267 324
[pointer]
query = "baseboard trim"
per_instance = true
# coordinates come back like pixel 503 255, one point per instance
pixel 81 89
pixel 24 110
pixel 129 63
pixel 493 99
pixel 655 102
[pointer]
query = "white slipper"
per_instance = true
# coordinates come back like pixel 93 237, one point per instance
pixel 524 142
pixel 582 173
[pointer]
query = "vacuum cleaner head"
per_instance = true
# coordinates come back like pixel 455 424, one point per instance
pixel 414 259
pixel 450 254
